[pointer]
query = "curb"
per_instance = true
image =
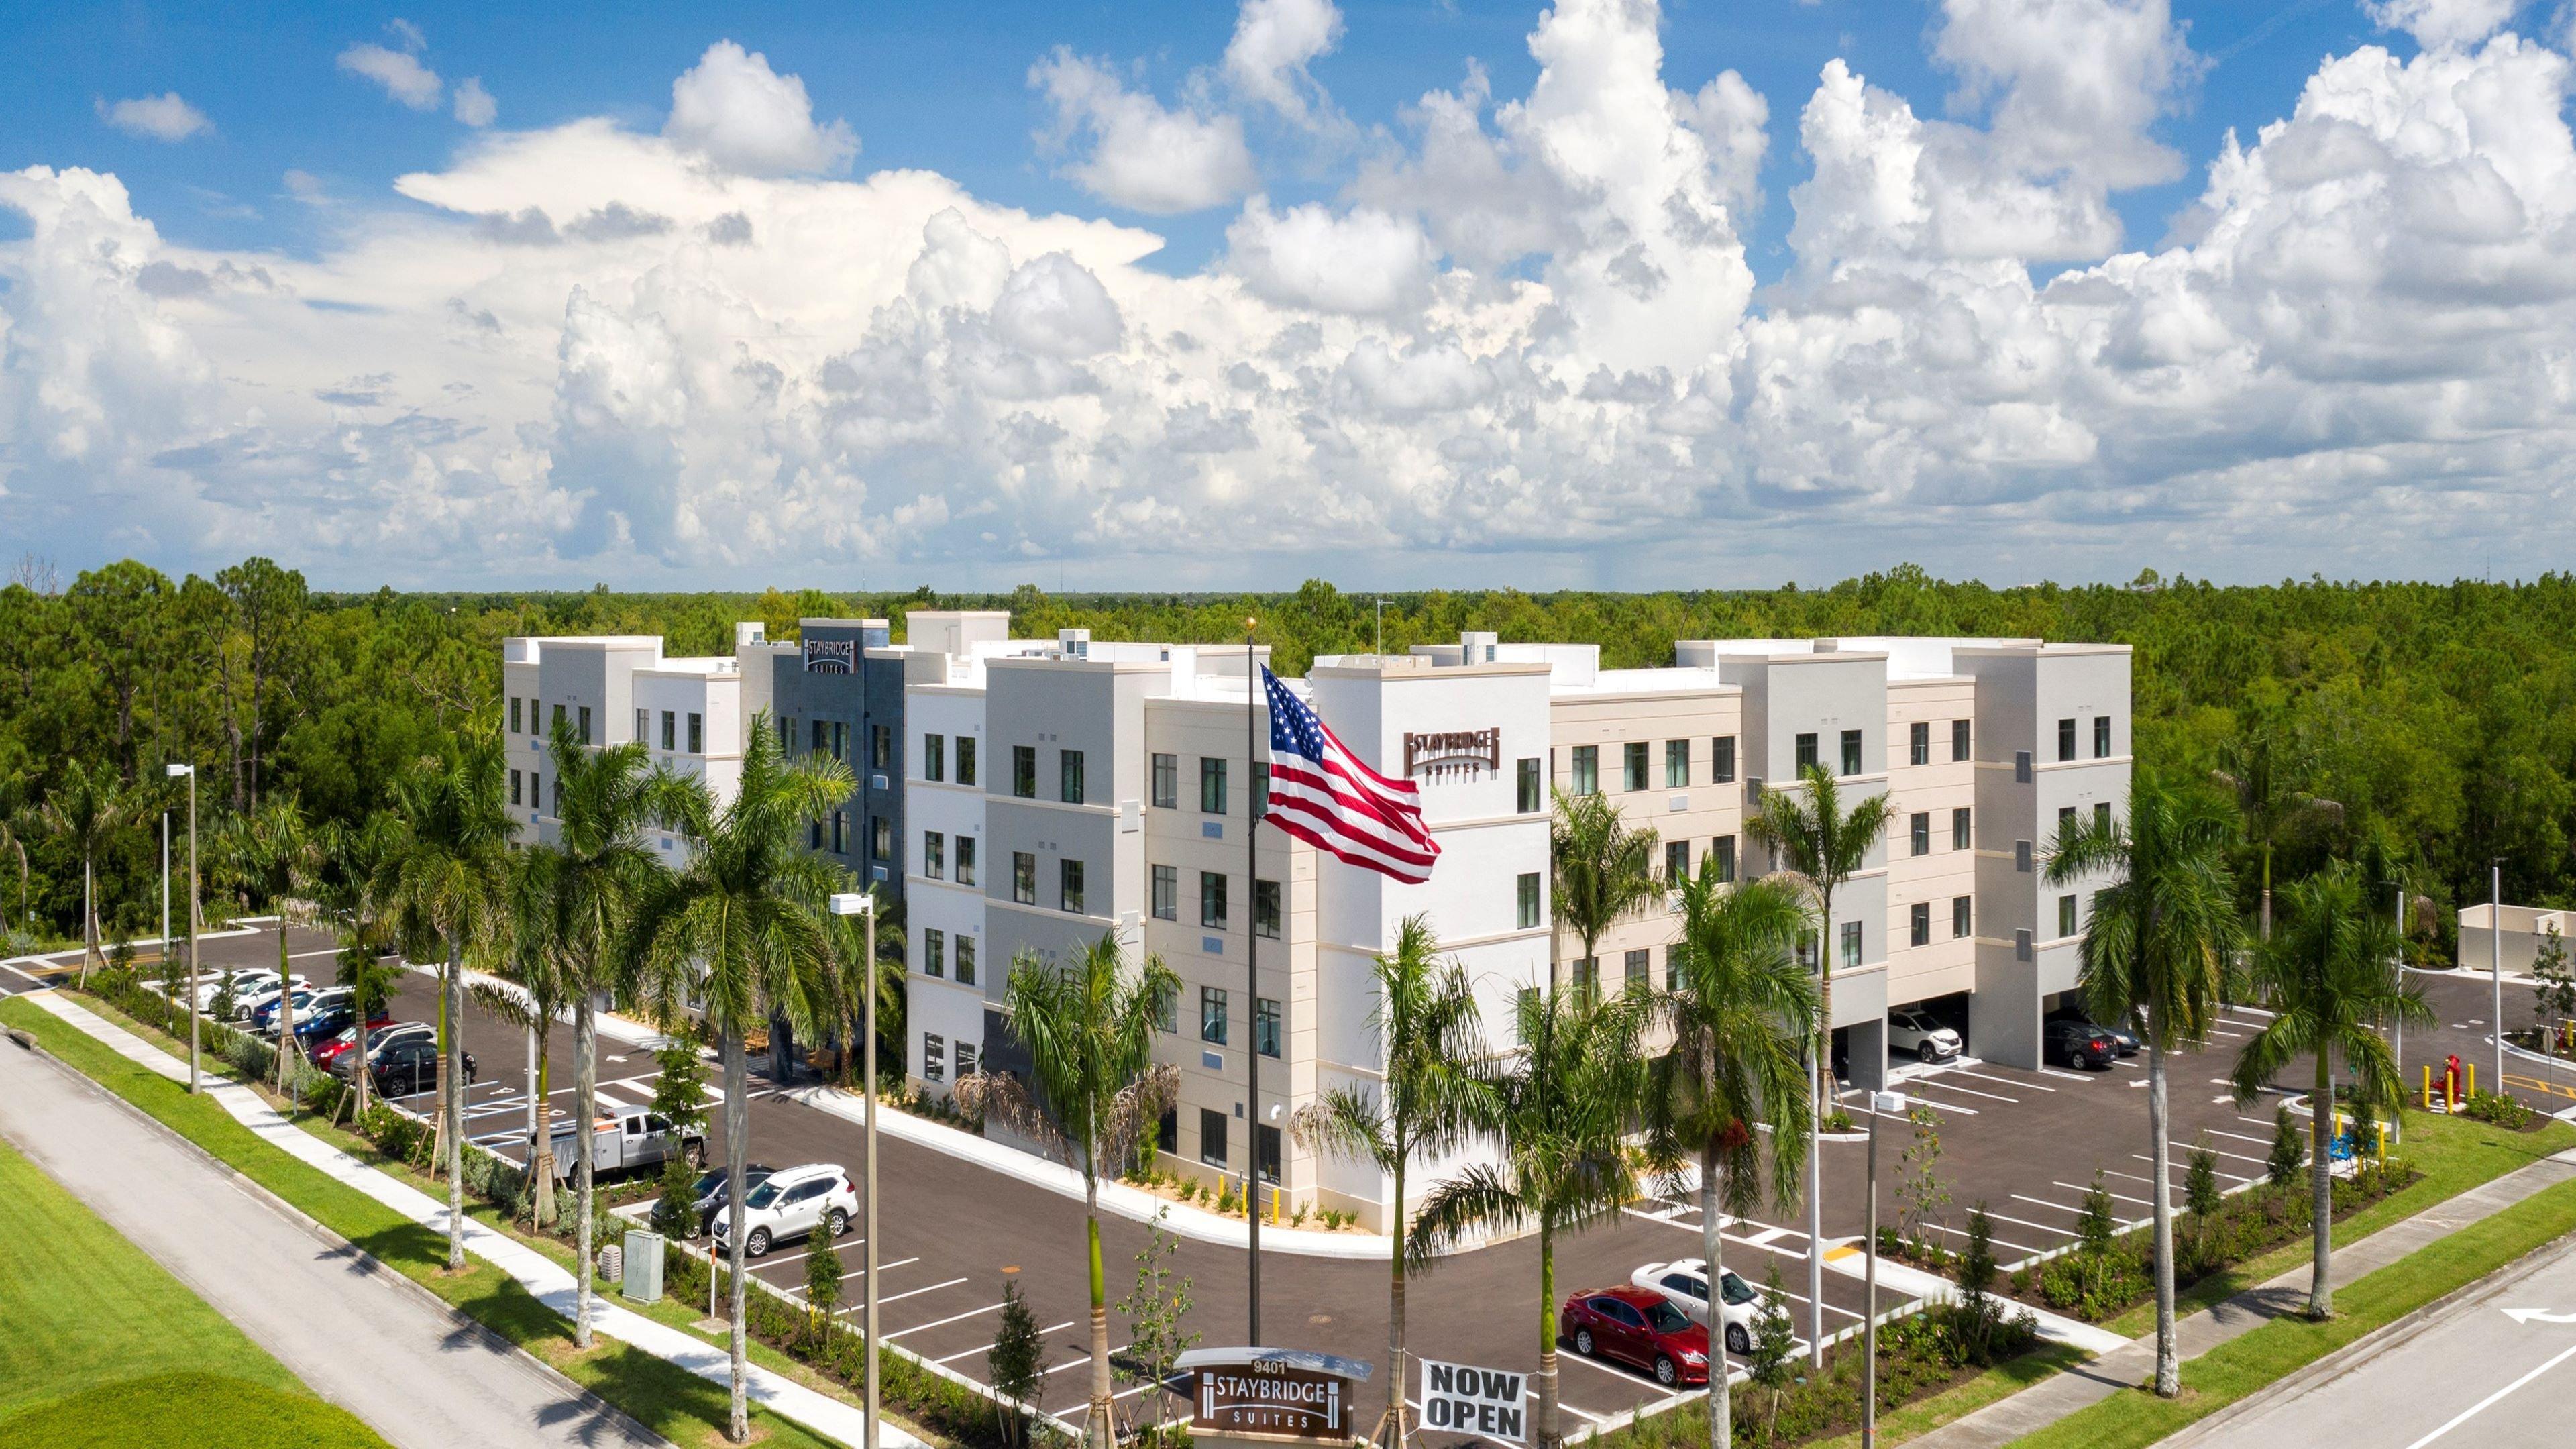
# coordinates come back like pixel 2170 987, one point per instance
pixel 313 1227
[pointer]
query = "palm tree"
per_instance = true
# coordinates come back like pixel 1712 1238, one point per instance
pixel 87 809
pixel 738 930
pixel 445 876
pixel 1435 1099
pixel 356 855
pixel 1813 837
pixel 532 993
pixel 1742 1011
pixel 1564 1104
pixel 583 892
pixel 278 852
pixel 1604 870
pixel 1089 1031
pixel 846 980
pixel 2156 950
pixel 2329 981
pixel 2256 767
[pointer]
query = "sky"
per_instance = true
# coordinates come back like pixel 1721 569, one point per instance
pixel 1405 294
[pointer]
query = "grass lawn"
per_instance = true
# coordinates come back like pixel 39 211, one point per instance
pixel 2242 1365
pixel 93 1330
pixel 200 1410
pixel 671 1401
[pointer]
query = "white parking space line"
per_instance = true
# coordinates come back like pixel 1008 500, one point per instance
pixel 1768 1236
pixel 2070 1076
pixel 1084 1359
pixel 2046 1203
pixel 913 1293
pixel 2239 1136
pixel 2027 1223
pixel 1944 1084
pixel 1621 1372
pixel 1944 1106
pixel 943 1322
pixel 1962 1233
pixel 760 1263
pixel 2122 1196
pixel 2007 1081
pixel 858 1272
pixel 1081 1409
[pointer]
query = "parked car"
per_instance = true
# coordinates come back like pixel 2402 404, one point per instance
pixel 407 1065
pixel 313 1031
pixel 791 1204
pixel 2078 1044
pixel 1916 1032
pixel 1637 1326
pixel 627 1142
pixel 1684 1284
pixel 709 1194
pixel 249 984
pixel 337 1056
pixel 2122 1038
pixel 265 1017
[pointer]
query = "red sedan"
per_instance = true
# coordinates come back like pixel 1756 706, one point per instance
pixel 1639 1327
pixel 324 1053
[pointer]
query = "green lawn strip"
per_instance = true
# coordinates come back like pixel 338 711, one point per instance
pixel 666 1398
pixel 2453 1154
pixel 200 1410
pixel 2246 1363
pixel 2004 1380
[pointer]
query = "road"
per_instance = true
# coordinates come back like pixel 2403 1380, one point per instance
pixel 424 1378
pixel 2470 1376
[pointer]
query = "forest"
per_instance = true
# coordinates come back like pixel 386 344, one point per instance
pixel 2435 718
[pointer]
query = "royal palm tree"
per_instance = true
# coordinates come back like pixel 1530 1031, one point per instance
pixel 846 980
pixel 356 855
pixel 445 878
pixel 2330 981
pixel 1434 1100
pixel 2155 953
pixel 1604 871
pixel 1095 1091
pixel 1742 1011
pixel 2257 767
pixel 1813 837
pixel 1564 1103
pixel 738 931
pixel 282 857
pixel 87 809
pixel 532 991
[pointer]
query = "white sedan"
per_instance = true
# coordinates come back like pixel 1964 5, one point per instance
pixel 1917 1032
pixel 1684 1282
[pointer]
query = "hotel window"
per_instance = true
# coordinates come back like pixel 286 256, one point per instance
pixel 2101 736
pixel 1529 902
pixel 536 789
pixel 1167 1006
pixel 1721 760
pixel 1167 893
pixel 1530 798
pixel 840 832
pixel 965 759
pixel 697 734
pixel 514 714
pixel 1024 771
pixel 1587 770
pixel 881 837
pixel 1676 861
pixel 1024 878
pixel 2065 826
pixel 934 954
pixel 1963 916
pixel 1212 899
pixel 1918 743
pixel 965 960
pixel 1587 973
pixel 2102 816
pixel 821 741
pixel 1265 1026
pixel 2021 945
pixel 643 725
pixel 1069 776
pixel 1069 885
pixel 1632 759
pixel 1260 789
pixel 933 1051
pixel 2021 856
pixel 1922 832
pixel 934 757
pixel 2066 915
pixel 934 854
pixel 2066 739
pixel 814 835
pixel 1638 963
pixel 1167 1131
pixel 1959 739
pixel 558 797
pixel 1211 786
pixel 1268 1139
pixel 1265 909
pixel 1851 945
pixel 2021 767
pixel 1806 752
pixel 1211 1137
pixel 1676 764
pixel 1167 782
pixel 559 716
pixel 880 747
pixel 965 860
pixel 965 1061
pixel 1212 1025
pixel 585 724
pixel 514 787
pixel 786 734
pixel 1722 851
pixel 670 730
pixel 1920 922
pixel 1851 752
pixel 1960 838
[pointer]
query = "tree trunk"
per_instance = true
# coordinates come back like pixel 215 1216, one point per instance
pixel 585 1106
pixel 2267 892
pixel 2321 1193
pixel 737 1139
pixel 2168 1361
pixel 1721 1405
pixel 541 1153
pixel 285 1006
pixel 1549 1435
pixel 1395 1313
pixel 452 1103
pixel 1102 1431
pixel 1816 1139
pixel 89 921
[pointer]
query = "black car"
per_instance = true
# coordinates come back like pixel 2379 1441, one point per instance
pixel 711 1193
pixel 410 1065
pixel 2123 1040
pixel 2077 1043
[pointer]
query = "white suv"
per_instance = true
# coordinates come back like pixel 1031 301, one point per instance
pixel 1684 1282
pixel 791 1204
pixel 1916 1032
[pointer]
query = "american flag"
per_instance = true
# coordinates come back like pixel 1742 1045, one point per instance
pixel 1321 794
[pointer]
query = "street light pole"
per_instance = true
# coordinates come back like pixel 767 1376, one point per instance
pixel 1880 1105
pixel 864 903
pixel 195 1053
pixel 2495 959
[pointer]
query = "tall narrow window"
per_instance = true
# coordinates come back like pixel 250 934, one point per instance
pixel 559 715
pixel 1676 764
pixel 1069 776
pixel 643 726
pixel 1266 1137
pixel 1024 878
pixel 1069 886
pixel 1806 751
pixel 1958 739
pixel 965 960
pixel 1260 789
pixel 934 757
pixel 1851 945
pixel 1167 782
pixel 2102 816
pixel 1960 834
pixel 1722 849
pixel 1167 893
pixel 514 714
pixel 1211 786
pixel 1963 916
pixel 1212 1014
pixel 840 832
pixel 1676 861
pixel 1919 923
pixel 934 854
pixel 934 953
pixel 2101 736
pixel 1851 752
pixel 820 742
pixel 965 860
pixel 1587 770
pixel 1265 909
pixel 2066 915
pixel 1212 1137
pixel 670 730
pixel 881 837
pixel 514 787
pixel 697 734
pixel 965 759
pixel 1212 899
pixel 585 724
pixel 1531 797
pixel 1167 1009
pixel 2066 739
pixel 1265 1026
pixel 2021 767
pixel 1637 964
pixel 1921 832
pixel 880 747
pixel 1024 771
pixel 2021 856
pixel 1721 760
pixel 1529 900
pixel 1632 758
pixel 1918 743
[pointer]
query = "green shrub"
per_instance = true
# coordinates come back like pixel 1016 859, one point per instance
pixel 2496 1109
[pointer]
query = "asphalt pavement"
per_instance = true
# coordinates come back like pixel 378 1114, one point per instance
pixel 421 1375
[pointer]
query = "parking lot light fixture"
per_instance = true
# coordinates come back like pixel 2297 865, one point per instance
pixel 195 1054
pixel 864 903
pixel 1881 1104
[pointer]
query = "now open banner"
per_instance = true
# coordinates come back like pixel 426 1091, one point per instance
pixel 1467 1400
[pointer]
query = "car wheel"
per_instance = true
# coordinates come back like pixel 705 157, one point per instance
pixel 1665 1373
pixel 696 1152
pixel 1737 1340
pixel 840 1223
pixel 757 1245
pixel 1583 1342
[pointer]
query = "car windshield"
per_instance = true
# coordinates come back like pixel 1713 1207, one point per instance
pixel 1737 1290
pixel 762 1196
pixel 711 1182
pixel 1663 1317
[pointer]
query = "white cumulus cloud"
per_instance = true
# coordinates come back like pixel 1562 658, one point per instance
pixel 1143 156
pixel 165 117
pixel 1274 43
pixel 742 115
pixel 2443 22
pixel 402 75
pixel 1362 261
pixel 474 105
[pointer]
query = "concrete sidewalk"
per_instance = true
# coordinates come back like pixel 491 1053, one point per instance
pixel 2054 1398
pixel 359 1335
pixel 540 1275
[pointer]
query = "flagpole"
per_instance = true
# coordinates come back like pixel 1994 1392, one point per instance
pixel 1252 971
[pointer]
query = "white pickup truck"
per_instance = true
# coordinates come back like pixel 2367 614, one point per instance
pixel 626 1141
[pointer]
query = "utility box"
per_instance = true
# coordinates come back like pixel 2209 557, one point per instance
pixel 644 1267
